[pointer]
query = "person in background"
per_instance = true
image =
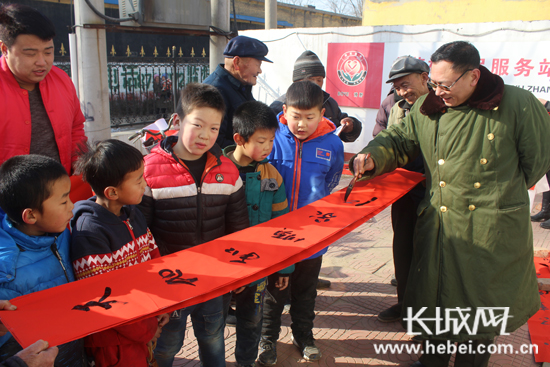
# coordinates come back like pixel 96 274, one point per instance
pixel 235 79
pixel 409 77
pixel 544 214
pixel 308 67
pixel 40 109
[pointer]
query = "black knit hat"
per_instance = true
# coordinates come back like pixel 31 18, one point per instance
pixel 308 64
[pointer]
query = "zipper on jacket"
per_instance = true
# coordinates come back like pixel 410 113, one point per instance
pixel 130 229
pixel 297 175
pixel 56 253
pixel 199 183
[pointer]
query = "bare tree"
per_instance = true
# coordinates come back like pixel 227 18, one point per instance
pixel 357 7
pixel 294 2
pixel 348 7
pixel 337 6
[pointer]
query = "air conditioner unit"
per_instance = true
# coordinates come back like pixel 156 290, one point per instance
pixel 131 9
pixel 185 14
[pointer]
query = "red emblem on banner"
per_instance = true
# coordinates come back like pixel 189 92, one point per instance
pixel 352 68
pixel 354 73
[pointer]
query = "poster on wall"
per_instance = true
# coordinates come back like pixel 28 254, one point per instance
pixel 354 73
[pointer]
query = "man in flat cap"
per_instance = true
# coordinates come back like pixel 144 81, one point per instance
pixel 235 78
pixel 409 76
pixel 484 144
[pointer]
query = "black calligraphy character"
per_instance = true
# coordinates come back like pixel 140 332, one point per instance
pixel 281 234
pixel 100 303
pixel 245 257
pixel 323 217
pixel 175 278
pixel 289 237
pixel 366 202
pixel 299 239
pixel 229 250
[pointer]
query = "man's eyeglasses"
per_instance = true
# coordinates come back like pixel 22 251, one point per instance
pixel 444 87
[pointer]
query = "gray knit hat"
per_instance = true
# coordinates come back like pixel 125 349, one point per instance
pixel 308 64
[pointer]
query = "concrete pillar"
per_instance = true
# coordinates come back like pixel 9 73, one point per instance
pixel 270 14
pixel 220 18
pixel 92 71
pixel 74 64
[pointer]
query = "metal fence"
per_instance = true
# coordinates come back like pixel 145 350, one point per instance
pixel 143 89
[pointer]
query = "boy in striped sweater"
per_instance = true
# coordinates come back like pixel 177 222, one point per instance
pixel 109 233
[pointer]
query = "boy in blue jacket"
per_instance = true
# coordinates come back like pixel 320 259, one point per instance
pixel 310 157
pixel 34 239
pixel 254 127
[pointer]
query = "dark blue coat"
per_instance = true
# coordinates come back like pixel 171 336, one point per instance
pixel 234 94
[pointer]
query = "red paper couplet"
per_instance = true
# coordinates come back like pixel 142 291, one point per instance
pixel 182 279
pixel 539 323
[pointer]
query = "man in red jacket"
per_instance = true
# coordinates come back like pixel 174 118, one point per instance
pixel 40 110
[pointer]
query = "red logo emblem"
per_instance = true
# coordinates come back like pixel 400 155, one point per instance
pixel 352 68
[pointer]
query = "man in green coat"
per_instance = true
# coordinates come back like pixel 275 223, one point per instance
pixel 484 144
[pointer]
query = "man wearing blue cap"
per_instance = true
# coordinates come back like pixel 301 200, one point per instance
pixel 235 78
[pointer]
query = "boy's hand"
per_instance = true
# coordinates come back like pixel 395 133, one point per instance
pixel 361 164
pixel 347 123
pixel 38 354
pixel 163 319
pixel 239 290
pixel 5 305
pixel 282 283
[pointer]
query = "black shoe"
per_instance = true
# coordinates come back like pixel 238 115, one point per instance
pixel 231 320
pixel 393 281
pixel 418 364
pixel 268 353
pixel 545 224
pixel 310 352
pixel 544 213
pixel 391 314
pixel 323 284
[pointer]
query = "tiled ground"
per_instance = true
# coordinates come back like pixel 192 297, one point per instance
pixel 360 266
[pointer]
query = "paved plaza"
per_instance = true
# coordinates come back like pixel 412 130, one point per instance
pixel 360 267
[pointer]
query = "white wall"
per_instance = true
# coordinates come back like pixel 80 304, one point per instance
pixel 507 40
